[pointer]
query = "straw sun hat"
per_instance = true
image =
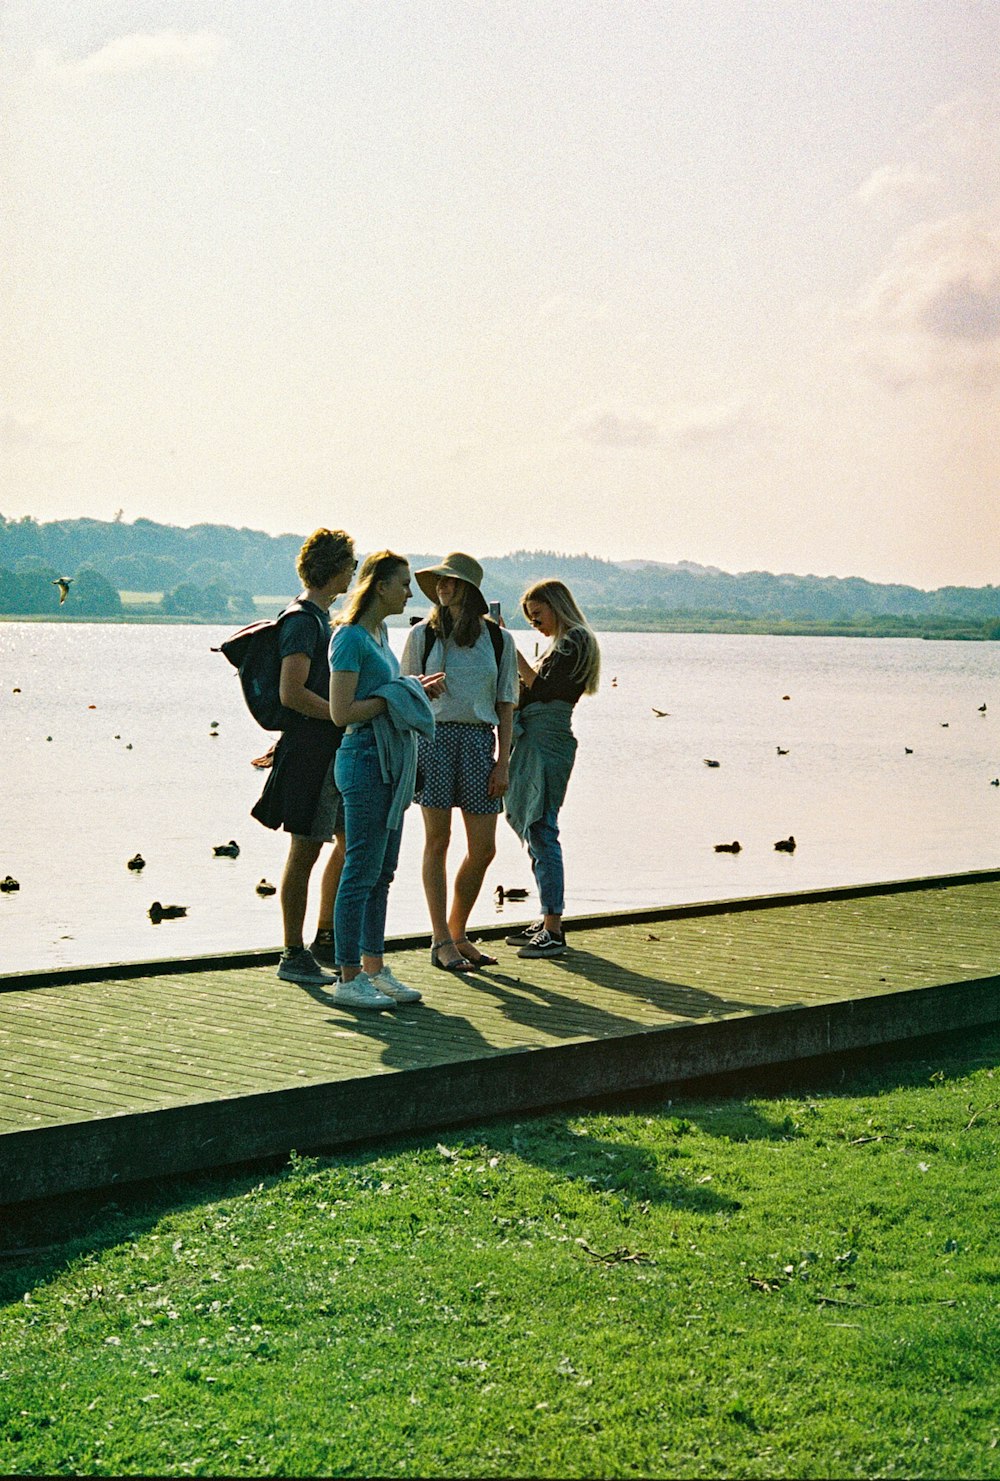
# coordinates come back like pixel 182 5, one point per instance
pixel 461 568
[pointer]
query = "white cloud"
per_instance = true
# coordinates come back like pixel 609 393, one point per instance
pixel 140 52
pixel 934 310
pixel 896 186
pixel 614 429
pixel 685 423
pixel 709 421
pixel 33 429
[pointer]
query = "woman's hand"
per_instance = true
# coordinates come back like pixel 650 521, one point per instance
pixel 499 779
pixel 433 684
pixel 525 672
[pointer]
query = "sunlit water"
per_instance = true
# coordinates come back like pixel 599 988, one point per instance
pixel 639 823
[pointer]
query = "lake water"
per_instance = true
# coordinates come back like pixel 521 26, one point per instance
pixel 108 751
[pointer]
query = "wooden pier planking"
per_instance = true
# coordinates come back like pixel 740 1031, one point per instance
pixel 112 1074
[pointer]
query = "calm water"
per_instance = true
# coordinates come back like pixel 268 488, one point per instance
pixel 640 821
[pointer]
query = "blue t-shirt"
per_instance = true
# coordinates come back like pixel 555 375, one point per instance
pixel 354 651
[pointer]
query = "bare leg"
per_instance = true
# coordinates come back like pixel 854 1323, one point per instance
pixel 302 855
pixel 481 833
pixel 437 836
pixel 329 881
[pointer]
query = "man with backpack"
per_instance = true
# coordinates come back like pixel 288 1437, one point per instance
pixel 300 795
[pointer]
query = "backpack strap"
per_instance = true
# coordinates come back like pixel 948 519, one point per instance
pixel 496 638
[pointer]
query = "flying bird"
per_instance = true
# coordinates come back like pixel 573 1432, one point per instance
pixel 729 848
pixel 781 752
pixel 908 750
pixel 230 850
pixel 786 845
pixel 136 863
pixel 712 763
pixel 660 714
pixel 64 583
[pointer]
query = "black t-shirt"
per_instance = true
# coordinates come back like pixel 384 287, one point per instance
pixel 556 675
pixel 300 632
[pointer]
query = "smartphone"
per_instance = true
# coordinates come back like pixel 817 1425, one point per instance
pixel 495 611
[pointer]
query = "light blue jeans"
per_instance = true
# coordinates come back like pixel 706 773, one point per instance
pixel 372 851
pixel 547 861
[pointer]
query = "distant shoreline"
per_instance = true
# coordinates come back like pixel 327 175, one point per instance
pixel 933 629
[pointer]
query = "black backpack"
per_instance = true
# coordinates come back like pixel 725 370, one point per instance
pixel 496 638
pixel 253 652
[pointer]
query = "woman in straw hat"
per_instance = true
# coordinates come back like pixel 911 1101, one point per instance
pixel 467 763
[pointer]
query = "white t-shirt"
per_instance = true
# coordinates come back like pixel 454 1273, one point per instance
pixel 474 684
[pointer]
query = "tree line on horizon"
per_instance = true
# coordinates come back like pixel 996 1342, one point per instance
pixel 214 571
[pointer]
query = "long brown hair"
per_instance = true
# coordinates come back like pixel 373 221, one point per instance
pixel 465 629
pixel 377 567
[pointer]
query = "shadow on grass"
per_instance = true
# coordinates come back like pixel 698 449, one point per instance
pixel 39 1239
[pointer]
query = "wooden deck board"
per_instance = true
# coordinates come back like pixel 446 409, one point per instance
pixel 91 1067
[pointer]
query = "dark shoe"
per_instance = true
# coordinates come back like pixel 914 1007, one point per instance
pixel 472 953
pixel 458 965
pixel 525 934
pixel 544 944
pixel 299 965
pixel 323 949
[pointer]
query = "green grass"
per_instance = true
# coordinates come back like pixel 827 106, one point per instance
pixel 794 1278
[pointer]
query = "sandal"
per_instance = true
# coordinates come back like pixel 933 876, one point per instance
pixel 481 958
pixel 459 965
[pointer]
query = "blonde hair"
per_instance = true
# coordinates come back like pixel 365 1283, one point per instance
pixel 570 622
pixel 324 554
pixel 376 568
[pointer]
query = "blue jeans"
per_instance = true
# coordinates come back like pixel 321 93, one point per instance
pixel 547 861
pixel 372 851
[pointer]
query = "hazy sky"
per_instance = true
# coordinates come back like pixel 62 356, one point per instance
pixel 704 280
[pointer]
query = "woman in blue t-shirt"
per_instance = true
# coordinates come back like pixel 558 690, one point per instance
pixel 361 664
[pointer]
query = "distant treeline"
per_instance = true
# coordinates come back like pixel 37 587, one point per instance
pixel 214 571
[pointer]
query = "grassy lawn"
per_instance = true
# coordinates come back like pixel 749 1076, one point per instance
pixel 796 1277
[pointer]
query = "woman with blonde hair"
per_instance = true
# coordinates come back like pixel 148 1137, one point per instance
pixel 466 765
pixel 375 771
pixel 545 749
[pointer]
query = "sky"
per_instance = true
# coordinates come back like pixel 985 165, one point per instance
pixel 703 280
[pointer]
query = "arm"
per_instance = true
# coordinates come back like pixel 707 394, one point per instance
pixel 411 663
pixel 292 689
pixel 525 672
pixel 500 774
pixel 344 708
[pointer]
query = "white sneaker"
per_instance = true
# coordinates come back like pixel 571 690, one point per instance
pixel 362 992
pixel 301 966
pixel 386 981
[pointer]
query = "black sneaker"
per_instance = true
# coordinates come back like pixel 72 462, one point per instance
pixel 525 934
pixel 544 943
pixel 323 949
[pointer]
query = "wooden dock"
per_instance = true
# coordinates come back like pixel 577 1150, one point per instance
pixel 110 1074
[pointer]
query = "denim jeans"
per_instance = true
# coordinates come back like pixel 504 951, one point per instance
pixel 372 851
pixel 547 861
